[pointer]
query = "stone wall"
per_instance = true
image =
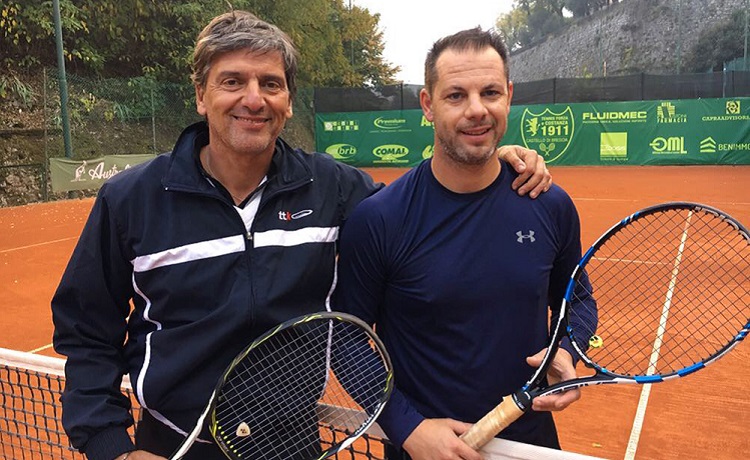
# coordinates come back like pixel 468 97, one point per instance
pixel 630 37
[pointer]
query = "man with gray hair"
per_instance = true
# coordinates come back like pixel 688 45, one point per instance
pixel 187 258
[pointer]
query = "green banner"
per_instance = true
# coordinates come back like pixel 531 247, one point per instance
pixel 89 174
pixel 678 132
pixel 394 138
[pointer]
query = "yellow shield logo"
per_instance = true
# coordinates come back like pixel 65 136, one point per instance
pixel 548 133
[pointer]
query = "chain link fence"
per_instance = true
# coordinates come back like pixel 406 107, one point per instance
pixel 153 109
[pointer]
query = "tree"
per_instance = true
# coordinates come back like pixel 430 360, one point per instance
pixel 530 21
pixel 338 46
pixel 717 45
pixel 132 38
pixel 27 32
pixel 363 41
pixel 514 28
pixel 545 18
pixel 581 8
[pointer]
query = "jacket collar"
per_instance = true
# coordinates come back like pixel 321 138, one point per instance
pixel 184 174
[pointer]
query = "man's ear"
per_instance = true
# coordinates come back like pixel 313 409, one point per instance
pixel 510 94
pixel 290 109
pixel 426 102
pixel 200 107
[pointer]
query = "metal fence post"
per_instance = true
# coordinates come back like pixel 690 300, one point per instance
pixel 153 117
pixel 63 82
pixel 554 90
pixel 747 13
pixel 45 165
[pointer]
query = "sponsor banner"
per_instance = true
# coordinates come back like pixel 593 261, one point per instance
pixel 674 132
pixel 89 174
pixel 391 138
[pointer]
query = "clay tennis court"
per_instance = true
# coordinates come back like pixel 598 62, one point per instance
pixel 704 416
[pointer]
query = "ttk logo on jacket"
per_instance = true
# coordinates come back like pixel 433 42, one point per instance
pixel 287 215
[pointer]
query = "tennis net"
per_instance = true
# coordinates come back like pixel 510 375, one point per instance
pixel 31 428
pixel 30 388
pixel 30 417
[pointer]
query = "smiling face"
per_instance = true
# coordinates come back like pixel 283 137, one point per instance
pixel 246 101
pixel 469 104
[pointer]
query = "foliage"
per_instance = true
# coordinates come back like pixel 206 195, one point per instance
pixel 154 38
pixel 717 45
pixel 362 34
pixel 532 20
pixel 13 89
pixel 581 8
pixel 129 100
pixel 514 28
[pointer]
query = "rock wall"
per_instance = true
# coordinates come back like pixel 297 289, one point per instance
pixel 630 37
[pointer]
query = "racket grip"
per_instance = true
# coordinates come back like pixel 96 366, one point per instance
pixel 493 423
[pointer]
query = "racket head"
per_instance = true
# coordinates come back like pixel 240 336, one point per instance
pixel 632 326
pixel 672 290
pixel 281 396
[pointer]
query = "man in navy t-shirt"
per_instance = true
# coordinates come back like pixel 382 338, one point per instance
pixel 459 272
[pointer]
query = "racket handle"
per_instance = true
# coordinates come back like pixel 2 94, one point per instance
pixel 493 423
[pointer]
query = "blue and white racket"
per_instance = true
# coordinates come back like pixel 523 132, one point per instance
pixel 671 285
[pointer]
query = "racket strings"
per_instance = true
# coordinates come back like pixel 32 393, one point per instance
pixel 255 401
pixel 270 404
pixel 672 290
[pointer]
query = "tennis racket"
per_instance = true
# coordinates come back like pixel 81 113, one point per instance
pixel 281 397
pixel 671 285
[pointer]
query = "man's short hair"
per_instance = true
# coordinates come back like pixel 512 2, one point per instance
pixel 471 39
pixel 237 30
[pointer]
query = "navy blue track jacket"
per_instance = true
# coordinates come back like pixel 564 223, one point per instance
pixel 162 239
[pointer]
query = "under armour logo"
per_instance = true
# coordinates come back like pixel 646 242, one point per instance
pixel 522 237
pixel 286 215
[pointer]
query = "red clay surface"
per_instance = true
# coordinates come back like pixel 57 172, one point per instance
pixel 704 416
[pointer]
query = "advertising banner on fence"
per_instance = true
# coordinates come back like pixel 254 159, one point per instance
pixel 391 138
pixel 678 132
pixel 89 174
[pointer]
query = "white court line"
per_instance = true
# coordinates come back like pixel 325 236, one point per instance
pixel 37 350
pixel 630 200
pixel 38 244
pixel 616 200
pixel 627 261
pixel 640 414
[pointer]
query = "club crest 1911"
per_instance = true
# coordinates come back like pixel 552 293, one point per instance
pixel 548 132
